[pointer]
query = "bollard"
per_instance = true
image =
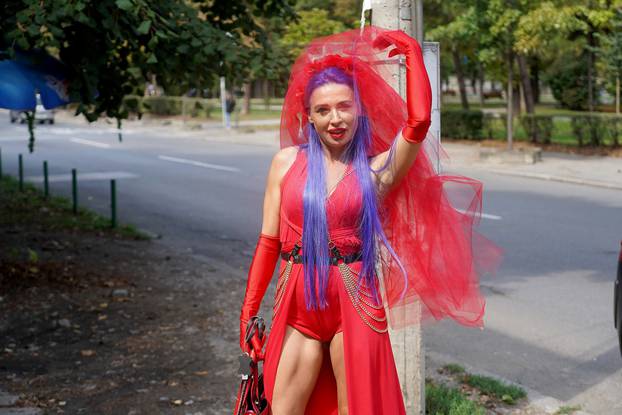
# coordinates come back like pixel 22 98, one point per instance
pixel 74 190
pixel 21 172
pixel 113 203
pixel 46 183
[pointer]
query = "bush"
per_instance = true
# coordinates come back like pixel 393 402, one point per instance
pixel 165 105
pixel 539 128
pixel 568 82
pixel 596 130
pixel 467 124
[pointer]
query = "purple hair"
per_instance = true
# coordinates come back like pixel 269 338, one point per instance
pixel 315 233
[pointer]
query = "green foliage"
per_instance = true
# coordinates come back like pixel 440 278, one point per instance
pixel 30 206
pixel 596 129
pixel 166 105
pixel 454 368
pixel 493 387
pixel 539 128
pixel 567 409
pixel 610 52
pixel 111 47
pixel 441 400
pixel 312 24
pixel 467 124
pixel 568 82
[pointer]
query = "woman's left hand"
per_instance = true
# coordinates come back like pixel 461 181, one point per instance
pixel 418 91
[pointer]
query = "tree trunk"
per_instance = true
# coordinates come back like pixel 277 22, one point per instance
pixel 510 99
pixel 266 94
pixel 480 70
pixel 590 72
pixel 617 95
pixel 526 83
pixel 246 102
pixel 525 80
pixel 534 69
pixel 516 94
pixel 460 76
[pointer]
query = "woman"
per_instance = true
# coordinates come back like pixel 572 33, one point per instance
pixel 365 200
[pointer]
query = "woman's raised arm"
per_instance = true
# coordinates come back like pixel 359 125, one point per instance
pixel 419 104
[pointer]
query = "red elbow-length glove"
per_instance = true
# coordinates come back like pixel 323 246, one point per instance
pixel 418 91
pixel 260 272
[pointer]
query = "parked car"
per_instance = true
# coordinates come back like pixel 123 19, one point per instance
pixel 41 114
pixel 617 300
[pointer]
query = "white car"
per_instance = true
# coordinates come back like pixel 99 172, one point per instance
pixel 41 114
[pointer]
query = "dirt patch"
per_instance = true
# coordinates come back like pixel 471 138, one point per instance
pixel 98 324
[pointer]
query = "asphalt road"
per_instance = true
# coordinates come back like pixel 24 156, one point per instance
pixel 549 310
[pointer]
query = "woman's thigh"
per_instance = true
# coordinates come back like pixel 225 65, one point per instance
pixel 299 367
pixel 339 369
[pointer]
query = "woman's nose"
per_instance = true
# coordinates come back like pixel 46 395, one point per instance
pixel 335 116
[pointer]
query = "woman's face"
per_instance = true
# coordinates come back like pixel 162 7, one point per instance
pixel 333 113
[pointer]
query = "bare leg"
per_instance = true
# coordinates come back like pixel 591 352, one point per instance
pixel 299 367
pixel 339 369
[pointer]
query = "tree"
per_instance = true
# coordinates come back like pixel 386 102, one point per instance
pixel 312 23
pixel 459 35
pixel 611 54
pixel 111 46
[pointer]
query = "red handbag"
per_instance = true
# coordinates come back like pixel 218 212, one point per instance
pixel 251 399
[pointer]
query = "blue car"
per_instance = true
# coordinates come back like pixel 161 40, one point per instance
pixel 617 300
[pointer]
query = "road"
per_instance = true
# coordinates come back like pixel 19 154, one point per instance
pixel 549 310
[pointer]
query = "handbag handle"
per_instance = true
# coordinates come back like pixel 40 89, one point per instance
pixel 256 326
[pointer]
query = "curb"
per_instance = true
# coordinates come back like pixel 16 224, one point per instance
pixel 7 402
pixel 546 404
pixel 549 177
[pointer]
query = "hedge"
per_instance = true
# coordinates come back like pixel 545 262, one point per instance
pixel 467 124
pixel 166 105
pixel 580 129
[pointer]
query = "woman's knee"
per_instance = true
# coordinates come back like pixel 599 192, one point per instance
pixel 285 406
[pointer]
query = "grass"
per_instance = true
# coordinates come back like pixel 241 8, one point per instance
pixel 567 410
pixel 54 213
pixel 485 385
pixel 454 369
pixel 442 400
pixel 495 388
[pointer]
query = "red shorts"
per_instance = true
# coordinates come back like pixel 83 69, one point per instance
pixel 322 325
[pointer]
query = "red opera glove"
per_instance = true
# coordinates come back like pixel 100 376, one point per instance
pixel 260 272
pixel 418 91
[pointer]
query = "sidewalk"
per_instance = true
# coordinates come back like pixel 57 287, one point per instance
pixel 596 171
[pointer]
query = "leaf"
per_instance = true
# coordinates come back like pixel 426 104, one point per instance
pixel 124 5
pixel 144 27
pixel 152 58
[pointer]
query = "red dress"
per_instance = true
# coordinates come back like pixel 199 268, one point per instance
pixel 372 382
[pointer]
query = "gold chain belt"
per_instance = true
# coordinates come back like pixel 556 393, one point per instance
pixel 349 278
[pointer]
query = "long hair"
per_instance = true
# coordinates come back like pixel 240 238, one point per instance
pixel 315 235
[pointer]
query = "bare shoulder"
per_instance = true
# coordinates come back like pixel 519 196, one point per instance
pixel 282 161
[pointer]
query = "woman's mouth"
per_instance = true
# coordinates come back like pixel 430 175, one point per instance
pixel 337 133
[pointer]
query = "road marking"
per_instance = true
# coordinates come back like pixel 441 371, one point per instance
pixel 89 142
pixel 107 175
pixel 199 164
pixel 484 215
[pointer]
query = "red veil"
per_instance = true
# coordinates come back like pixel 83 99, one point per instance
pixel 428 218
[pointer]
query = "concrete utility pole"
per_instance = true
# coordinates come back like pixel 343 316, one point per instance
pixel 407 15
